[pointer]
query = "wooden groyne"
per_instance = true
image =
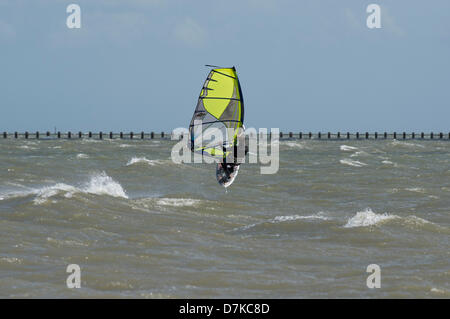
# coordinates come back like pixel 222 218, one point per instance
pixel 288 135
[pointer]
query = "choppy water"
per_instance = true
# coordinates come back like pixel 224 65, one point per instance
pixel 141 226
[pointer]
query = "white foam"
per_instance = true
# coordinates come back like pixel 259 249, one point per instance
pixel 368 218
pixel 81 155
pixel 102 184
pixel 346 148
pixel 45 193
pixel 294 145
pixel 99 184
pixel 136 160
pixel 406 144
pixel 177 202
pixel 359 153
pixel 347 161
pixel 416 190
pixel 26 147
pixel 297 217
pixel 287 218
pixel 437 290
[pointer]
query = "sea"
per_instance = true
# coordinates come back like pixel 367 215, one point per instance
pixel 340 219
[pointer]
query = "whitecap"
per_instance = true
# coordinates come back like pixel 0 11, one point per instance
pixel 353 163
pixel 368 218
pixel 81 155
pixel 102 184
pixel 49 191
pixel 293 145
pixel 297 217
pixel 99 184
pixel 359 153
pixel 136 160
pixel 178 202
pixel 347 148
pixel 416 190
pixel 406 144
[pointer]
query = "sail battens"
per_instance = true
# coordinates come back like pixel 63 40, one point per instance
pixel 218 98
pixel 225 74
pixel 203 123
pixel 220 107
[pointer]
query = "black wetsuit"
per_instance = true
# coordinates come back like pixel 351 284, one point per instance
pixel 229 168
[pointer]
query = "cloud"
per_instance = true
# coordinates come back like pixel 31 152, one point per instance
pixel 190 33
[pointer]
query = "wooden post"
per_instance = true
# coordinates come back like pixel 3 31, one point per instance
pixel 80 134
pixel 5 135
pixel 395 135
pixel 441 135
pixel 300 135
pixel 121 135
pixel 310 135
pixel 319 135
pixel 16 135
pixel 131 135
pixel 385 135
pixel 431 135
pixel 110 135
pixel 404 135
pixel 422 135
pixel 338 134
pixel 152 135
pixel 69 135
pixel 37 135
pixel 413 135
pixel 281 134
pixel 367 135
pixel 90 135
pixel 290 134
pixel 329 135
pixel 26 135
pixel 100 135
pixel 376 135
pixel 348 135
pixel 59 134
pixel 357 135
pixel 162 134
pixel 142 135
pixel 47 134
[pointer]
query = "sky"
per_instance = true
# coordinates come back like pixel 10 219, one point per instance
pixel 304 65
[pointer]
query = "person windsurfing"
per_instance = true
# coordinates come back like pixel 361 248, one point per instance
pixel 219 112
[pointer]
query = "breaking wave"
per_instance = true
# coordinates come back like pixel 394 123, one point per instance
pixel 368 218
pixel 99 184
pixel 102 184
